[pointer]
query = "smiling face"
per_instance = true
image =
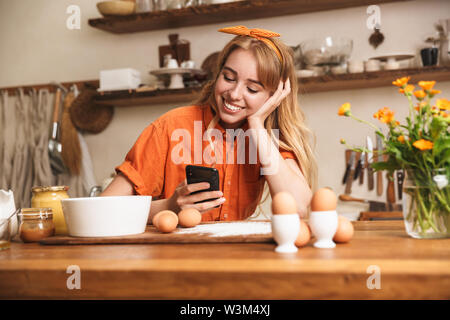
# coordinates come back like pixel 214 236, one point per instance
pixel 238 91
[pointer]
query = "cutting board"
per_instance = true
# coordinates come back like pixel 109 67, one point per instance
pixel 198 234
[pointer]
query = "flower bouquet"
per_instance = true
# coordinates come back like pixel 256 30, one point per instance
pixel 421 147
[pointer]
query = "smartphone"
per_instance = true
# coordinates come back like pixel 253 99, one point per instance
pixel 196 174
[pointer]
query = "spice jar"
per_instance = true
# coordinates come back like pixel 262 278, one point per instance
pixel 36 224
pixel 50 197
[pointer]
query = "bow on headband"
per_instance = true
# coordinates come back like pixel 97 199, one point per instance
pixel 260 34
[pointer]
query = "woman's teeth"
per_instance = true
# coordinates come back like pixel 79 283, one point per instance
pixel 231 107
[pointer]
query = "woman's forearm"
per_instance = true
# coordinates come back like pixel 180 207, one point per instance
pixel 281 174
pixel 157 206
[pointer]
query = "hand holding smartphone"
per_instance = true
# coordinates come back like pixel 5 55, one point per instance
pixel 196 174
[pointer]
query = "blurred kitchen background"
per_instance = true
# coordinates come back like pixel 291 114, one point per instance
pixel 38 48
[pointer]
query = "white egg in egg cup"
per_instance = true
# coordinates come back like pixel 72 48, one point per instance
pixel 285 229
pixel 323 225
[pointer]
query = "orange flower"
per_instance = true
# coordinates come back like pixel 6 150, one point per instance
pixel 408 88
pixel 423 144
pixel 385 115
pixel 401 139
pixel 420 94
pixel 443 104
pixel 420 105
pixel 427 85
pixel 401 82
pixel 344 110
pixel 433 92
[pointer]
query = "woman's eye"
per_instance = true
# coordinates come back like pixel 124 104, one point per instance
pixel 252 90
pixel 227 78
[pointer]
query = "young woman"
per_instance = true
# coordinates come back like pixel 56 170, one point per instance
pixel 254 92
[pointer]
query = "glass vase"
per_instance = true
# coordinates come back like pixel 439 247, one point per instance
pixel 426 203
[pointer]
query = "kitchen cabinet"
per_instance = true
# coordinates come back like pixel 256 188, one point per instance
pixel 219 13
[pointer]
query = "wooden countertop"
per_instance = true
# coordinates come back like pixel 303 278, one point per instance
pixel 408 269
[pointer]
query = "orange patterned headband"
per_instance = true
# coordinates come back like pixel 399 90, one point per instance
pixel 260 34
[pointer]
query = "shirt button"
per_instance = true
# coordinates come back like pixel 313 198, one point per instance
pixel 229 182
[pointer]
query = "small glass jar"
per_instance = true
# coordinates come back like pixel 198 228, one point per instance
pixel 36 224
pixel 50 197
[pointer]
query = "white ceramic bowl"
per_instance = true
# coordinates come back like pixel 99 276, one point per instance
pixel 106 216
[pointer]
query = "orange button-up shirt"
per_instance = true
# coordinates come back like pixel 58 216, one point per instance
pixel 156 163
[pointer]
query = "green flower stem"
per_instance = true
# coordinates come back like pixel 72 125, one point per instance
pixel 411 108
pixel 364 121
pixel 442 200
pixel 418 210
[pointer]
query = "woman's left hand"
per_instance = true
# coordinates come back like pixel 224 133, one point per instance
pixel 283 90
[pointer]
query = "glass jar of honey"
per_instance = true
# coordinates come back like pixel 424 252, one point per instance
pixel 36 224
pixel 50 197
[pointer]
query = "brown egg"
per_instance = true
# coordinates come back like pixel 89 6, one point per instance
pixel 284 203
pixel 344 230
pixel 324 200
pixel 156 216
pixel 304 235
pixel 167 221
pixel 189 217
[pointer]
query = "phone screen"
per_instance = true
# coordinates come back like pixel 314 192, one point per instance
pixel 196 174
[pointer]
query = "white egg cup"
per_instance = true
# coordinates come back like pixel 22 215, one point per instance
pixel 285 229
pixel 323 225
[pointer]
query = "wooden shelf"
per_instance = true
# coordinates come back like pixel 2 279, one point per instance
pixel 306 85
pixel 128 98
pixel 218 13
pixel 351 81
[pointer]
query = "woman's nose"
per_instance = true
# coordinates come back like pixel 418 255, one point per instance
pixel 236 92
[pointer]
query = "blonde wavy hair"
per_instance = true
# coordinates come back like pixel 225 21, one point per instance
pixel 288 118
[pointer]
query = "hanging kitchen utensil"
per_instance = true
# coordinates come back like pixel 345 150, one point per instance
pixel 54 146
pixel 369 145
pixel 349 165
pixel 358 167
pixel 363 166
pixel 349 182
pixel 88 116
pixel 71 150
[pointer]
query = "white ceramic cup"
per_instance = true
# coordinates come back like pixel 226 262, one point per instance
pixel 172 63
pixel 323 225
pixel 285 229
pixel 355 66
pixel 372 65
pixel 188 64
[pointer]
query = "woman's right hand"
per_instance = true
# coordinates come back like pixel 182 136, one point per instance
pixel 183 199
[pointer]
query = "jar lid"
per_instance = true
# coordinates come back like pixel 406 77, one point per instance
pixel 36 213
pixel 49 188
